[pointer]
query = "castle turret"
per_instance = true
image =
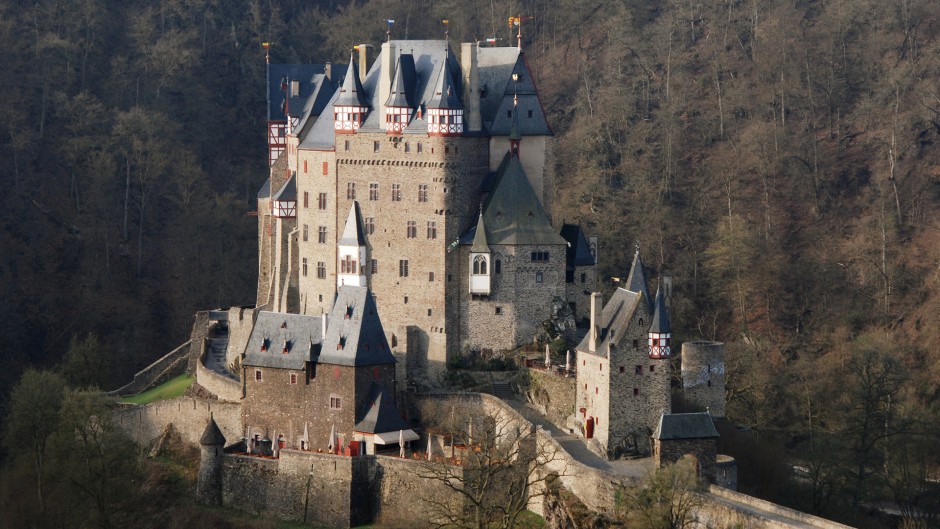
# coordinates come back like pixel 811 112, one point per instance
pixel 351 251
pixel 480 261
pixel 445 111
pixel 209 485
pixel 636 281
pixel 399 106
pixel 351 107
pixel 660 332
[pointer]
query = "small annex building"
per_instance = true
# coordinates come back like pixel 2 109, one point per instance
pixel 322 383
pixel 681 434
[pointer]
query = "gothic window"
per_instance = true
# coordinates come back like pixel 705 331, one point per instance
pixel 321 201
pixel 432 229
pixel 370 225
pixel 373 191
pixel 479 265
pixel 396 192
pixel 403 268
pixel 321 270
pixel 422 192
pixel 351 191
pixel 321 234
pixel 412 229
pixel 498 267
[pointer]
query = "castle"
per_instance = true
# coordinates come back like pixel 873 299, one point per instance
pixel 427 180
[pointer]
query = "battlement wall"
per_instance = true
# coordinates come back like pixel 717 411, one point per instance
pixel 188 415
pixel 166 367
pixel 223 387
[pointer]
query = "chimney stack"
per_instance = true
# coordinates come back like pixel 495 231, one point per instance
pixel 364 60
pixel 324 322
pixel 328 70
pixel 597 305
pixel 471 86
pixel 385 80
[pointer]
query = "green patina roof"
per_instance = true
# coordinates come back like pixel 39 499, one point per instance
pixel 480 243
pixel 512 213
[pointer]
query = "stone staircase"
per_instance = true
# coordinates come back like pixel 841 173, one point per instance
pixel 502 390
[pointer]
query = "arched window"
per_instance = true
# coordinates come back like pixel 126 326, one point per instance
pixel 479 265
pixel 497 267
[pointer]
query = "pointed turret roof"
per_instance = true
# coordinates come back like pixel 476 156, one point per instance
pixel 445 89
pixel 354 334
pixel 480 242
pixel 351 94
pixel 660 323
pixel 636 282
pixel 403 84
pixel 212 435
pixel 352 233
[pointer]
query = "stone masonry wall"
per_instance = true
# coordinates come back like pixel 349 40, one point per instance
pixel 703 375
pixel 188 415
pixel 671 450
pixel 553 394
pixel 578 292
pixel 241 321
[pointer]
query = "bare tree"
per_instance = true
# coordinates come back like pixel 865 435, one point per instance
pixel 668 500
pixel 495 466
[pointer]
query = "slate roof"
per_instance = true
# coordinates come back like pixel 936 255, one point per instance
pixel 265 191
pixel 522 95
pixel 288 191
pixel 351 92
pixel 660 322
pixel 446 88
pixel 379 415
pixel 480 242
pixel 352 232
pixel 685 426
pixel 301 333
pixel 402 91
pixel 578 252
pixel 512 212
pixel 354 334
pixel 614 320
pixel 321 136
pixel 636 281
pixel 212 434
pixel 316 103
pixel 305 73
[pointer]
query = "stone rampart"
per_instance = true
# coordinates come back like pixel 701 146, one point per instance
pixel 189 416
pixel 553 394
pixel 241 321
pixel 727 508
pixel 168 366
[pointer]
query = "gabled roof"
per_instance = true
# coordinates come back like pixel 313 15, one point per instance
pixel 512 212
pixel 615 319
pixel 494 67
pixel 446 88
pixel 660 322
pixel 351 92
pixel 275 330
pixel 578 252
pixel 402 90
pixel 685 426
pixel 314 106
pixel 288 191
pixel 480 243
pixel 322 134
pixel 212 434
pixel 522 95
pixel 307 74
pixel 379 415
pixel 354 334
pixel 352 232
pixel 265 191
pixel 636 281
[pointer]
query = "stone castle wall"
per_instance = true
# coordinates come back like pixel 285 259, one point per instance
pixel 553 394
pixel 670 451
pixel 703 375
pixel 166 367
pixel 188 415
pixel 241 321
pixel 578 292
pixel 223 387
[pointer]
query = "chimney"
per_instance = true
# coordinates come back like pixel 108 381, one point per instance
pixel 328 70
pixel 597 305
pixel 364 60
pixel 385 80
pixel 471 85
pixel 325 321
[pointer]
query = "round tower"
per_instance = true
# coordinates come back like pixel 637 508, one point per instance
pixel 209 484
pixel 703 375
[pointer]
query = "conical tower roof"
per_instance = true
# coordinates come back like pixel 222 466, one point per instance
pixel 351 94
pixel 212 435
pixel 480 242
pixel 400 95
pixel 636 282
pixel 352 233
pixel 445 90
pixel 513 213
pixel 660 323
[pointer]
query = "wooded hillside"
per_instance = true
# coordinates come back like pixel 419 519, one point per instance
pixel 779 158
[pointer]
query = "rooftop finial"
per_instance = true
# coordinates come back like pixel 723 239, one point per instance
pixel 446 34
pixel 388 31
